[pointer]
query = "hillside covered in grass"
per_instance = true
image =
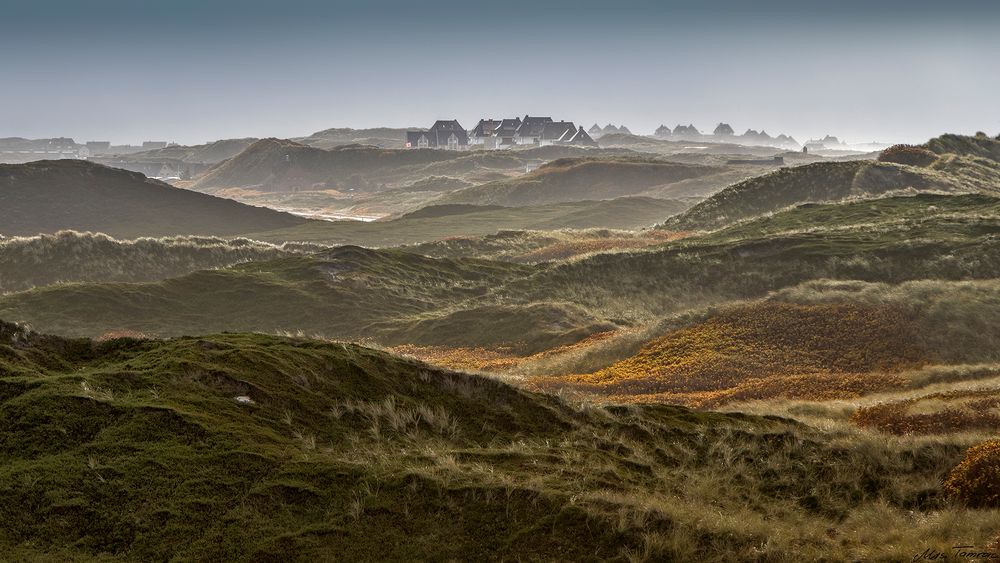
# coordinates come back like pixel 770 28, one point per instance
pixel 391 296
pixel 69 256
pixel 446 222
pixel 355 293
pixel 575 179
pixel 253 448
pixel 53 195
pixel 956 164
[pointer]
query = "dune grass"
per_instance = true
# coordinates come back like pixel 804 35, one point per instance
pixel 137 449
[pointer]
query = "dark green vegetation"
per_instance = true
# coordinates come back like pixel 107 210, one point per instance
pixel 929 237
pixel 348 292
pixel 68 256
pixel 575 179
pixel 355 293
pixel 49 196
pixel 964 164
pixel 140 450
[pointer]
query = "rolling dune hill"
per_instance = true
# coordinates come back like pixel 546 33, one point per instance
pixel 49 196
pixel 580 179
pixel 256 448
pixel 69 256
pixel 965 164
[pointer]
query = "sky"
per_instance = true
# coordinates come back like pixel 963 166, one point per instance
pixel 192 71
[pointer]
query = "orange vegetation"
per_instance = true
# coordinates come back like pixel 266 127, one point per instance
pixel 760 351
pixel 487 359
pixel 937 413
pixel 976 480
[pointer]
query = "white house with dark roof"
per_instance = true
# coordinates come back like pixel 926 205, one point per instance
pixel 530 130
pixel 554 132
pixel 494 133
pixel 444 134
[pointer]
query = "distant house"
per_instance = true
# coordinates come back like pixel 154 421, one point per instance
pixel 595 129
pixel 495 134
pixel 153 145
pixel 506 132
pixel 580 138
pixel 555 131
pixel 686 131
pixel 565 133
pixel 529 132
pixel 723 129
pixel 609 129
pixel 442 135
pixel 662 131
pixel 484 134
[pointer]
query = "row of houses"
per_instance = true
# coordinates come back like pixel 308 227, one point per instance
pixel 500 134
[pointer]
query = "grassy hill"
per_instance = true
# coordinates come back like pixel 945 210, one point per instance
pixel 49 196
pixel 69 256
pixel 447 221
pixel 936 237
pixel 384 137
pixel 575 179
pixel 281 165
pixel 346 292
pixel 352 293
pixel 208 153
pixel 140 450
pixel 966 164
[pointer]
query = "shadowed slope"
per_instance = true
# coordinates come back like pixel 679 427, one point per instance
pixel 49 196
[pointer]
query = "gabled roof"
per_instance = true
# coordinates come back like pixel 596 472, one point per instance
pixel 509 126
pixel 485 128
pixel 532 126
pixel 580 137
pixel 442 129
pixel 556 130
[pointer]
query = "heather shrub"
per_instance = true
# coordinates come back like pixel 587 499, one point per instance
pixel 976 480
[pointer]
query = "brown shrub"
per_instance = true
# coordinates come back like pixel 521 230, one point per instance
pixel 954 411
pixel 976 480
pixel 913 155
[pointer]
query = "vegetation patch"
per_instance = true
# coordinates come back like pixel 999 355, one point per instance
pixel 763 350
pixel 976 480
pixel 934 413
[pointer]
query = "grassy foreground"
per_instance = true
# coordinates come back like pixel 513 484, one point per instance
pixel 140 450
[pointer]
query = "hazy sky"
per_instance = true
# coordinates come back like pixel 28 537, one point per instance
pixel 198 70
